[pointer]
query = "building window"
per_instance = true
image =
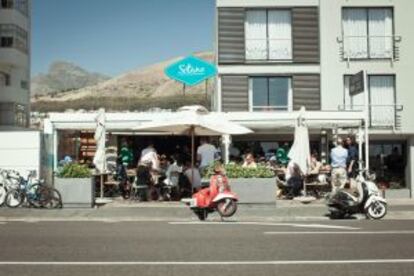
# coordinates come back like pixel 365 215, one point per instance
pixel 368 33
pixel 270 94
pixel 12 36
pixel 20 5
pixel 24 84
pixel 4 79
pixel 382 99
pixel 20 115
pixel 6 4
pixel 268 35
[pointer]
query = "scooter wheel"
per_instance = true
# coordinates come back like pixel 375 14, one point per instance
pixel 376 210
pixel 227 207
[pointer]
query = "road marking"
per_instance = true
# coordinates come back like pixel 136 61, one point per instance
pixel 287 262
pixel 300 225
pixel 339 233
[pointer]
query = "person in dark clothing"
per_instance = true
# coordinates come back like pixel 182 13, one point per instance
pixel 352 161
pixel 122 177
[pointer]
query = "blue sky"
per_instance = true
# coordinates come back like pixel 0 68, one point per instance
pixel 112 37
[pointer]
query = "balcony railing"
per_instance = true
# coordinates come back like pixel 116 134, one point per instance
pixel 380 116
pixel 258 49
pixel 369 47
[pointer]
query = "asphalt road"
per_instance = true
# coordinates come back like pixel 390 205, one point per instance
pixel 350 247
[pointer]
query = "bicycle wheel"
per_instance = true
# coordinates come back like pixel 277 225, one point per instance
pixel 55 200
pixel 14 198
pixel 3 193
pixel 38 195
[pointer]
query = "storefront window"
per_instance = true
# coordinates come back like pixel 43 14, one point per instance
pixel 388 160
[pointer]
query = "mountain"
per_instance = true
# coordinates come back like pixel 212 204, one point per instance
pixel 138 89
pixel 64 76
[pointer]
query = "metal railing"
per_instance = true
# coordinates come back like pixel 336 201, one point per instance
pixel 386 47
pixel 380 116
pixel 269 49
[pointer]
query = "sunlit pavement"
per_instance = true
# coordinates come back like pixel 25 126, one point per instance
pixel 346 247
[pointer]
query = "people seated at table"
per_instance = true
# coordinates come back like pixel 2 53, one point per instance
pixel 293 183
pixel 193 176
pixel 249 161
pixel 173 171
pixel 315 164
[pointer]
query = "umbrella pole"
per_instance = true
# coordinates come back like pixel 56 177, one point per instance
pixel 192 158
pixel 102 178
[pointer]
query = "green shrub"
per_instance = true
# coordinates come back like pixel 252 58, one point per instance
pixel 74 170
pixel 237 171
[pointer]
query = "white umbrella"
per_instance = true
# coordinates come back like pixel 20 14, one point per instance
pixel 194 120
pixel 300 150
pixel 199 121
pixel 100 136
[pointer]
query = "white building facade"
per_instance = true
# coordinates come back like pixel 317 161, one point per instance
pixel 274 56
pixel 14 63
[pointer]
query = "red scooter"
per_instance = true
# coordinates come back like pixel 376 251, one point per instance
pixel 217 197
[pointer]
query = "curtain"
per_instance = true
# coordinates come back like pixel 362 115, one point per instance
pixel 280 34
pixel 382 100
pixel 355 33
pixel 256 37
pixel 380 33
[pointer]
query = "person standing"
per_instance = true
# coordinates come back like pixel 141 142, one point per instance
pixel 352 161
pixel 126 154
pixel 206 154
pixel 339 157
pixel 149 156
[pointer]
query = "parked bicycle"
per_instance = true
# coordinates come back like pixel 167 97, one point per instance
pixel 33 191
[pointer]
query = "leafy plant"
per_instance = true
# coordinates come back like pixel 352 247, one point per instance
pixel 237 171
pixel 74 170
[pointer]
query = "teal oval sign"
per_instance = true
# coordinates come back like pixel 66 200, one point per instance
pixel 191 71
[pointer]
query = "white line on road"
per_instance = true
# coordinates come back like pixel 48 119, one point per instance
pixel 339 233
pixel 287 262
pixel 327 226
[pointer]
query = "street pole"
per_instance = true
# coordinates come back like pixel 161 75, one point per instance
pixel 367 121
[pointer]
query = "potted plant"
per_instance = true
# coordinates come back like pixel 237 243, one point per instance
pixel 75 183
pixel 252 185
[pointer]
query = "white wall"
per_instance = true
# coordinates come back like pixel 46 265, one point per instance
pixel 333 68
pixel 20 150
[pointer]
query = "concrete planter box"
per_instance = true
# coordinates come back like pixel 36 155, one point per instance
pixel 397 193
pixel 254 190
pixel 76 192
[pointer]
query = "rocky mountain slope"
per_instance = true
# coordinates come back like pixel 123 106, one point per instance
pixel 145 83
pixel 64 76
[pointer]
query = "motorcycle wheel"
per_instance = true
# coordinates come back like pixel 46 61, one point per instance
pixel 14 198
pixel 227 207
pixel 376 210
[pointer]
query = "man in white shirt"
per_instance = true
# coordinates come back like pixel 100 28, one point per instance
pixel 149 155
pixel 206 154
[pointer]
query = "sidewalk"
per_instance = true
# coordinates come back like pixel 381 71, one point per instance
pixel 282 210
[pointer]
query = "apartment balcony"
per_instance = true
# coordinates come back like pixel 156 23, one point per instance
pixel 13 16
pixel 14 58
pixel 380 116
